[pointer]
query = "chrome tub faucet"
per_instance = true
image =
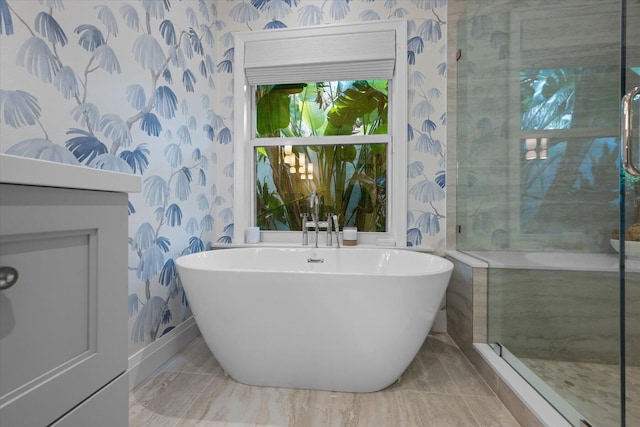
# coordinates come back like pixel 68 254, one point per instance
pixel 314 207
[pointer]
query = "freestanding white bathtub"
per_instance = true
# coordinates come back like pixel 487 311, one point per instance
pixel 346 319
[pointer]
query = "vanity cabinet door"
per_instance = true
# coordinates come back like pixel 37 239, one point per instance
pixel 63 323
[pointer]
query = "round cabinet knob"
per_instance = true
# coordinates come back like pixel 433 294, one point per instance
pixel 8 277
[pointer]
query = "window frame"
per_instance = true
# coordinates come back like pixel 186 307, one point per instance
pixel 245 140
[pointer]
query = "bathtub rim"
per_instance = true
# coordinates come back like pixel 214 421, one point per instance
pixel 426 249
pixel 444 265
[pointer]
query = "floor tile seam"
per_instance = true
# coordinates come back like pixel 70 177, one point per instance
pixel 479 375
pixel 400 404
pixel 489 396
pixel 473 414
pixel 444 366
pixel 437 393
pixel 175 423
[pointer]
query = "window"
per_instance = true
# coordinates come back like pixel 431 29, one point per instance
pixel 350 179
pixel 321 109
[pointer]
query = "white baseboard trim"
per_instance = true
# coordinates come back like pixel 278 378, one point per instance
pixel 150 358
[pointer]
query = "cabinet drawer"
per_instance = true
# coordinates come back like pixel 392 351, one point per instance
pixel 107 408
pixel 62 324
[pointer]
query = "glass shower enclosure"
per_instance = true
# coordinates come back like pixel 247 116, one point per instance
pixel 543 195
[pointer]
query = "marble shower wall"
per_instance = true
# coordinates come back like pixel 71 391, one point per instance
pixel 560 315
pixel 467 302
pixel 567 202
pixel 563 315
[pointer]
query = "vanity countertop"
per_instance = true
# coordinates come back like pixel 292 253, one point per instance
pixel 27 171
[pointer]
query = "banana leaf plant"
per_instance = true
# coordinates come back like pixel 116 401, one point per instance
pixel 350 179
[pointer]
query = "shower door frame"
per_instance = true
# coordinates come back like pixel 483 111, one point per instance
pixel 629 144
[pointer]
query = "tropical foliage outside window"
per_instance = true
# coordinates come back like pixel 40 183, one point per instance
pixel 350 178
pixel 569 123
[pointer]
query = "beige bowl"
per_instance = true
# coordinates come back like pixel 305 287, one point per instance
pixel 631 250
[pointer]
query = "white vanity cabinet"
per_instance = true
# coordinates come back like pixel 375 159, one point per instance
pixel 63 309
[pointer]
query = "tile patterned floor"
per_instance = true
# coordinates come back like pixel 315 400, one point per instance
pixel 439 389
pixel 592 388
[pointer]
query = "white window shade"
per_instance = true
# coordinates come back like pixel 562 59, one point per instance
pixel 352 56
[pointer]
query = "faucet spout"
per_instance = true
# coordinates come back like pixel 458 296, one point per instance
pixel 315 216
pixel 314 205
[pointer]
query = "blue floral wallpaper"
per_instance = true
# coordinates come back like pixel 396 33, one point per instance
pixel 146 87
pixel 427 92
